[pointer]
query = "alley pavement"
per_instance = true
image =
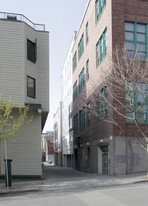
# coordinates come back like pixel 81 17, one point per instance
pixel 61 179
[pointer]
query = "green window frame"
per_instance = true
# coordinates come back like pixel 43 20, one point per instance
pixel 140 99
pixel 136 40
pixel 75 124
pixel 102 103
pixel 87 37
pixel 100 4
pixel 81 46
pixel 75 90
pixel 82 119
pixel 88 114
pixel 101 47
pixel 75 61
pixel 81 80
pixel 87 69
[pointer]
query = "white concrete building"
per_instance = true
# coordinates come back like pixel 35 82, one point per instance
pixel 58 136
pixel 67 98
pixel 24 75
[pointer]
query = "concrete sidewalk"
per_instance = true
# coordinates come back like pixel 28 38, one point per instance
pixel 59 179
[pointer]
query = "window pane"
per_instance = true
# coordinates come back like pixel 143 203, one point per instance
pixel 129 36
pixel 130 46
pixel 141 47
pixel 143 108
pixel 141 117
pixel 129 26
pixel 141 28
pixel 140 37
pixel 130 115
pixel 31 51
pixel 141 56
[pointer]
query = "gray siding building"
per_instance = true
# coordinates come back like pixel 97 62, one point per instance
pixel 24 75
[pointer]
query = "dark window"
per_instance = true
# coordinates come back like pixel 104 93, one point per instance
pixel 88 114
pixel 81 80
pixel 102 103
pixel 76 124
pixel 75 90
pixel 82 119
pixel 101 47
pixel 74 61
pixel 30 87
pixel 31 51
pixel 81 46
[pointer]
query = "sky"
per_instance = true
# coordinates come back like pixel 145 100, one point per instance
pixel 61 19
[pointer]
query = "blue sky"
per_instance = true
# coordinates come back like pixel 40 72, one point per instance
pixel 61 18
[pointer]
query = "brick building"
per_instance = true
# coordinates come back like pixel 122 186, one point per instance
pixel 97 144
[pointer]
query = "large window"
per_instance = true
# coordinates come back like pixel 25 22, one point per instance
pixel 99 8
pixel 87 69
pixel 31 87
pixel 75 124
pixel 135 40
pixel 137 102
pixel 101 47
pixel 75 61
pixel 87 37
pixel 102 103
pixel 81 80
pixel 82 119
pixel 81 46
pixel 88 114
pixel 75 90
pixel 31 51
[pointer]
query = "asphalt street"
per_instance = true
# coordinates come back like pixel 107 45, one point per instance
pixel 131 195
pixel 68 187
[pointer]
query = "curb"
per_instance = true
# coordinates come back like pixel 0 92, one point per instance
pixel 18 191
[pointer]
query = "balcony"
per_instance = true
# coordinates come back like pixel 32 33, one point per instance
pixel 21 17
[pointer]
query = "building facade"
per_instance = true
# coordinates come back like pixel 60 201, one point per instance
pixel 47 147
pixel 67 98
pixel 58 147
pixel 98 146
pixel 24 76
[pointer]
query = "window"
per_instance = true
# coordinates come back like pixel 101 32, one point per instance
pixel 31 51
pixel 135 40
pixel 137 102
pixel 82 119
pixel 87 38
pixel 102 103
pixel 99 8
pixel 88 114
pixel 74 61
pixel 76 124
pixel 101 47
pixel 87 69
pixel 81 46
pixel 81 80
pixel 31 87
pixel 75 90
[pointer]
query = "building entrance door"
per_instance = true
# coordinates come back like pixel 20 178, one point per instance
pixel 104 159
pixel 105 163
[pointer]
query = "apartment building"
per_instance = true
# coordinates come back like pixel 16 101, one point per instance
pixel 58 144
pixel 24 76
pixel 98 145
pixel 67 98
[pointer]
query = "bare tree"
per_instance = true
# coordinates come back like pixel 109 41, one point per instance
pixel 121 92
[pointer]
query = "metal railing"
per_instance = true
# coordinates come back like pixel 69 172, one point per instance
pixel 21 17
